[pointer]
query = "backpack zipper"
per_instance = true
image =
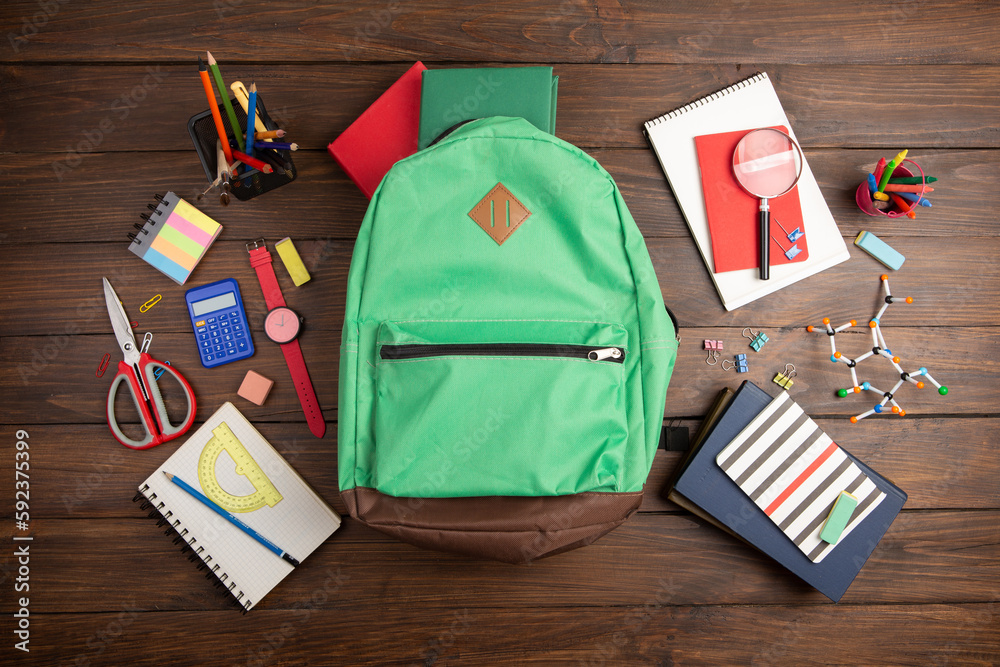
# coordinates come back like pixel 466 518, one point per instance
pixel 422 351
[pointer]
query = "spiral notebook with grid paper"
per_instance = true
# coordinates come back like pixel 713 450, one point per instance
pixel 745 105
pixel 229 462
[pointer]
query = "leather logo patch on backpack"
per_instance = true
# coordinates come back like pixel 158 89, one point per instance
pixel 499 213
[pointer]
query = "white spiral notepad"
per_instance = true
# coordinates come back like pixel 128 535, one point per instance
pixel 745 105
pixel 229 461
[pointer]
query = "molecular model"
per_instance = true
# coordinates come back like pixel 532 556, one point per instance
pixel 878 348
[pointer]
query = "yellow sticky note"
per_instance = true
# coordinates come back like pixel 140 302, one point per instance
pixel 293 263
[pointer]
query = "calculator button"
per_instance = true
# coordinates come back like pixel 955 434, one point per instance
pixel 209 357
pixel 241 345
pixel 234 313
pixel 237 326
pixel 226 330
pixel 213 327
pixel 230 343
pixel 231 352
pixel 203 336
pixel 223 317
pixel 227 338
pixel 200 323
pixel 218 348
pixel 239 334
pixel 201 329
pixel 206 344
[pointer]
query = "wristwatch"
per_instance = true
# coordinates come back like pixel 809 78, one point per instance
pixel 283 325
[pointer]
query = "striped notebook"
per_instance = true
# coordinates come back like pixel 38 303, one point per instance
pixel 794 472
pixel 174 237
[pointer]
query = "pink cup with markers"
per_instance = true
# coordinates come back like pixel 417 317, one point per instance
pixel 864 196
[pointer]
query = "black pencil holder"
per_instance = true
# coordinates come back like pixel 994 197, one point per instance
pixel 201 127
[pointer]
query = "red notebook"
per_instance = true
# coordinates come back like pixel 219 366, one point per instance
pixel 384 134
pixel 733 214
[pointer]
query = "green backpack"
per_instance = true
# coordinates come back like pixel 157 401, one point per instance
pixel 506 349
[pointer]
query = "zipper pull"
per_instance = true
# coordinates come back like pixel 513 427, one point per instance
pixel 605 353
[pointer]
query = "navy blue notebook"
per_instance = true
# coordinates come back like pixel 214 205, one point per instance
pixel 704 484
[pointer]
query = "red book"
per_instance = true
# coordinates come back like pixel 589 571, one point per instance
pixel 384 134
pixel 733 214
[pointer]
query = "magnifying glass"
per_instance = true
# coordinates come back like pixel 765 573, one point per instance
pixel 767 163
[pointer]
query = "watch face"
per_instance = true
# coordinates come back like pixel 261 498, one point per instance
pixel 281 325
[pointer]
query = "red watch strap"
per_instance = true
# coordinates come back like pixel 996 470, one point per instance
pixel 260 260
pixel 304 387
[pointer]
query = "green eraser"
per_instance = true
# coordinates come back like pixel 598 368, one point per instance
pixel 839 517
pixel 879 249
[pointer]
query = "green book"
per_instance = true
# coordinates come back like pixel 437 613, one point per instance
pixel 451 96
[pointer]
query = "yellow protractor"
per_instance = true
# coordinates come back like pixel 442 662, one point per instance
pixel 264 493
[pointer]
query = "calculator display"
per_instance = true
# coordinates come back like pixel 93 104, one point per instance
pixel 213 304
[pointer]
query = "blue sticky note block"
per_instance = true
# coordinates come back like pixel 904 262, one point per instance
pixel 879 249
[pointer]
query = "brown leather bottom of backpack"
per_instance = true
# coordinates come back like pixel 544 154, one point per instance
pixel 513 529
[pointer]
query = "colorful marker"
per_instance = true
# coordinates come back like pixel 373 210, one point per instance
pixel 907 188
pixel 879 170
pixel 252 162
pixel 889 168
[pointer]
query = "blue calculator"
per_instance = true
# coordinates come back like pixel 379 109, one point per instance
pixel 219 322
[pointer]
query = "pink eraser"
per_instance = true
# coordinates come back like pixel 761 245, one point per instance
pixel 255 388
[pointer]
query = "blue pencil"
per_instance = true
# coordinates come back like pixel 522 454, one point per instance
pixel 229 517
pixel 251 117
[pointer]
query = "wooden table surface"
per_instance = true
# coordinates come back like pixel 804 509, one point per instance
pixel 94 100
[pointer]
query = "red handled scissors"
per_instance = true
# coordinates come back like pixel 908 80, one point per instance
pixel 137 370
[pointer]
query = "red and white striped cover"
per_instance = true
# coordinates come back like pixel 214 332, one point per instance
pixel 794 472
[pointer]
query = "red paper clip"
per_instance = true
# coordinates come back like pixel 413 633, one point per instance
pixel 105 360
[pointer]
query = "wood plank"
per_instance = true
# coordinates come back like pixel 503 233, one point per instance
pixel 136 107
pixel 943 556
pixel 654 632
pixel 78 470
pixel 327 205
pixel 950 287
pixel 512 31
pixel 41 389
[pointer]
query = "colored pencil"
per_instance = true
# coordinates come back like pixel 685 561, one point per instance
pixel 270 134
pixel 242 96
pixel 277 145
pixel 213 106
pixel 251 117
pixel 234 123
pixel 252 162
pixel 270 158
pixel 231 519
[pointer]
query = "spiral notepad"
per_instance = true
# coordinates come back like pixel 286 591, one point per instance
pixel 229 462
pixel 745 105
pixel 174 237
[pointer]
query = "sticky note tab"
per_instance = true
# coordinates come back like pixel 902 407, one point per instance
pixel 293 263
pixel 255 388
pixel 879 249
pixel 839 517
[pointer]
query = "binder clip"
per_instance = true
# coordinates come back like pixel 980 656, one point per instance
pixel 756 339
pixel 713 344
pixel 784 378
pixel 713 357
pixel 740 364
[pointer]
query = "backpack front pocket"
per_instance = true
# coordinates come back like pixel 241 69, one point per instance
pixel 499 408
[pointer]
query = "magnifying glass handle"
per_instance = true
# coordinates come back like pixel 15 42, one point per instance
pixel 765 245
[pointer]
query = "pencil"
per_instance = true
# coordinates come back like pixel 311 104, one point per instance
pixel 231 519
pixel 252 162
pixel 251 117
pixel 234 124
pixel 242 96
pixel 276 145
pixel 213 106
pixel 270 134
